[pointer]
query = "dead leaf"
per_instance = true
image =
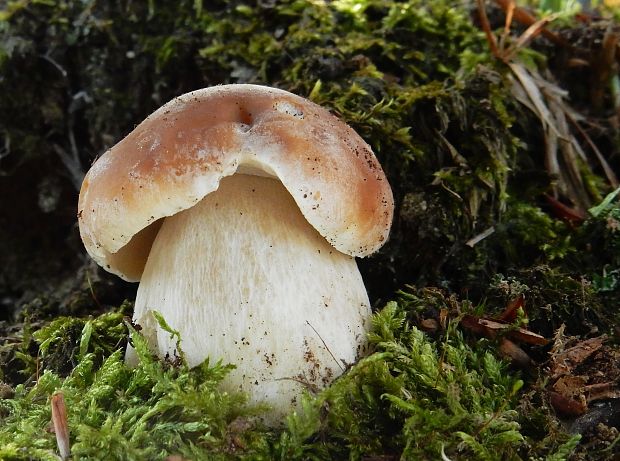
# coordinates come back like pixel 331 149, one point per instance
pixel 429 325
pixel 601 391
pixel 564 212
pixel 518 334
pixel 517 355
pixel 566 406
pixel 472 242
pixel 443 318
pixel 533 93
pixel 510 313
pixel 564 362
pixel 570 386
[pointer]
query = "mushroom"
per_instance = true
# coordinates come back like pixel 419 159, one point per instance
pixel 240 209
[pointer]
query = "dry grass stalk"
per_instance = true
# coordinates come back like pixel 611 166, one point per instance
pixel 61 425
pixel 565 159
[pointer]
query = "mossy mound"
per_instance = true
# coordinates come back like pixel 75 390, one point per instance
pixel 412 397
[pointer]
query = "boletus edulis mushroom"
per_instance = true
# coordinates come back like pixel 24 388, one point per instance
pixel 240 209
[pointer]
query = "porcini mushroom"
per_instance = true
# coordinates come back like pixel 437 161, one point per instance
pixel 240 209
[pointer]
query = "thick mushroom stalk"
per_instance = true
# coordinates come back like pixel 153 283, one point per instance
pixel 243 276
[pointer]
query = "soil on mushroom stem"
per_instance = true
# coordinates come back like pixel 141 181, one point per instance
pixel 243 276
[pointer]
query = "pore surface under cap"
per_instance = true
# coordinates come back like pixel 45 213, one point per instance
pixel 179 154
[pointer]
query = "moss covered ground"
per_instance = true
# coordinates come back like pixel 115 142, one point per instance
pixel 495 328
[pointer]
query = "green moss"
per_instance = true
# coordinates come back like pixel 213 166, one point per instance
pixel 122 412
pixel 412 397
pixel 527 235
pixel 602 233
pixel 66 340
pixel 415 79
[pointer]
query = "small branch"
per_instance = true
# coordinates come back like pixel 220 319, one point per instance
pixel 73 166
pixel 70 160
pixel 526 37
pixel 609 173
pixel 510 8
pixel 6 150
pixel 58 67
pixel 92 291
pixel 472 242
pixel 486 26
pixel 522 16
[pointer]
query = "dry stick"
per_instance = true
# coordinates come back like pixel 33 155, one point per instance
pixel 472 242
pixel 61 425
pixel 570 174
pixel 530 33
pixel 70 160
pixel 611 176
pixel 92 291
pixel 486 26
pixel 442 357
pixel 524 17
pixel 510 8
pixel 38 366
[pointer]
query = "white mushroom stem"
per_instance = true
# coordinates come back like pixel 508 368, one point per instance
pixel 244 278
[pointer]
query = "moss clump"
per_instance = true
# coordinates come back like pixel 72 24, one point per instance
pixel 412 397
pixel 66 340
pixel 431 397
pixel 599 239
pixel 59 345
pixel 415 79
pixel 121 413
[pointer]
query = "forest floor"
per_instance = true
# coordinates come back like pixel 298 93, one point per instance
pixel 495 331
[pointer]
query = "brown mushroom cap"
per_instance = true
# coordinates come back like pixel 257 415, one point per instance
pixel 179 154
